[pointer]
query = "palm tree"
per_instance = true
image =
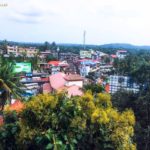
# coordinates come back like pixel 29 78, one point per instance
pixel 5 93
pixel 9 83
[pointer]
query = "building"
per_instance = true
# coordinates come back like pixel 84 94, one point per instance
pixel 122 82
pixel 45 54
pixel 69 57
pixel 87 65
pixel 121 54
pixel 12 50
pixel 20 51
pixel 86 54
pixel 73 79
pixel 71 83
pixel 29 52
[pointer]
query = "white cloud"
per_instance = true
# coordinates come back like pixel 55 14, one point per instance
pixel 104 20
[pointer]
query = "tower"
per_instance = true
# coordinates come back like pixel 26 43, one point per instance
pixel 84 39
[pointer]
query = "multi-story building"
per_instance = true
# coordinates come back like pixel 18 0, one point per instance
pixel 12 50
pixel 122 82
pixel 19 51
pixel 121 54
pixel 69 57
pixel 30 52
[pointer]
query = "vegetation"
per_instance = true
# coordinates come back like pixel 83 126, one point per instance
pixel 9 83
pixel 140 104
pixel 58 122
pixel 94 88
pixel 137 66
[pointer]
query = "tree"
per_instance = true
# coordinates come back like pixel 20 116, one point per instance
pixel 9 83
pixel 94 88
pixel 50 58
pixel 5 93
pixel 140 104
pixel 86 122
pixel 3 46
pixel 45 46
pixel 53 46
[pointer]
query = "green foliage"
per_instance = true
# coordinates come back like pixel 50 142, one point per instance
pixel 140 103
pixel 94 88
pixel 136 66
pixel 86 122
pixel 50 57
pixel 9 83
pixel 9 131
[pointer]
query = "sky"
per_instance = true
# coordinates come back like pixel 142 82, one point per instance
pixel 64 21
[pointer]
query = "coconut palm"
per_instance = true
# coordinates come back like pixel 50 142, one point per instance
pixel 9 83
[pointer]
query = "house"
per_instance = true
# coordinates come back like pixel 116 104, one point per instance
pixel 71 83
pixel 57 80
pixel 87 65
pixel 74 79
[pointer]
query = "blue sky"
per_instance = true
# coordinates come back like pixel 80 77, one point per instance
pixel 63 21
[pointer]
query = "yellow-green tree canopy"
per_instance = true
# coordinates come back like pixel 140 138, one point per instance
pixel 86 122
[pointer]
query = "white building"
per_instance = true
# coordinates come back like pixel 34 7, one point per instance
pixel 121 54
pixel 74 79
pixel 12 50
pixel 122 82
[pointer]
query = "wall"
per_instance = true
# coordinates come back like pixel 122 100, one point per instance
pixel 77 83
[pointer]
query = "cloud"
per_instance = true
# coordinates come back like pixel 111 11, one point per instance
pixel 29 11
pixel 104 20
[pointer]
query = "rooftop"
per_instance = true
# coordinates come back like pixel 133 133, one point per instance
pixel 73 77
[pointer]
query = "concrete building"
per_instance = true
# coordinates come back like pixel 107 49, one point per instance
pixel 122 82
pixel 121 54
pixel 12 50
pixel 30 52
pixel 19 51
pixel 73 79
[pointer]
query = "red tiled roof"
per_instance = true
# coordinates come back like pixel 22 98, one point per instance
pixel 107 88
pixel 57 80
pixel 114 56
pixel 47 88
pixel 54 63
pixel 17 106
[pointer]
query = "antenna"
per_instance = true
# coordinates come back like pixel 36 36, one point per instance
pixel 84 36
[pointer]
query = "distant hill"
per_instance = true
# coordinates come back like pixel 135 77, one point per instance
pixel 88 46
pixel 124 46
